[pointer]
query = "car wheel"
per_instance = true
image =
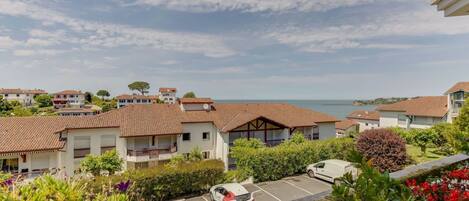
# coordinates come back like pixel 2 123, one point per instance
pixel 310 173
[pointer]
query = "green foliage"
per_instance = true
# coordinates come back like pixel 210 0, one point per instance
pixel 189 94
pixel 176 160
pixel 423 138
pixel 43 100
pixel 296 138
pixel 108 161
pixel 88 97
pixel 235 176
pixel 274 163
pixel 103 93
pixel 15 103
pixel 195 155
pixel 166 182
pixel 248 143
pixel 20 111
pixel 49 188
pixel 5 107
pixel 140 86
pixel 385 149
pixel 370 185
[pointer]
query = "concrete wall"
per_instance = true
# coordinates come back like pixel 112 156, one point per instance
pixel 326 130
pixel 388 119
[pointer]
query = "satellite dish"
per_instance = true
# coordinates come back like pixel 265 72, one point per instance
pixel 206 106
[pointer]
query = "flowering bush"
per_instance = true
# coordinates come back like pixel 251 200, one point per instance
pixel 452 186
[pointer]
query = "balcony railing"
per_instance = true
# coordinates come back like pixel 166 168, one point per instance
pixel 152 153
pixel 33 174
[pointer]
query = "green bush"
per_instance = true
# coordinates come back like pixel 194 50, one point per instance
pixel 167 182
pixel 274 163
pixel 235 176
pixel 108 161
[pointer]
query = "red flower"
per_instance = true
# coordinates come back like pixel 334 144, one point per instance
pixel 435 187
pixel 411 182
pixel 430 197
pixel 453 195
pixel 425 186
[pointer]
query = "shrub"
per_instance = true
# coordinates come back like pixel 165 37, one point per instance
pixel 423 138
pixel 384 148
pixel 235 176
pixel 248 143
pixel 277 162
pixel 167 182
pixel 108 161
pixel 195 155
pixel 49 188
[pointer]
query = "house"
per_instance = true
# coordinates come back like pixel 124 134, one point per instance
pixel 24 96
pixel 346 126
pixel 167 95
pixel 87 110
pixel 456 96
pixel 147 135
pixel 452 7
pixel 422 112
pixel 366 119
pixel 69 98
pixel 125 99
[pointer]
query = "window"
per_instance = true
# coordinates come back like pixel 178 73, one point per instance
pixel 206 154
pixel 319 165
pixel 108 142
pixel 17 95
pixel 206 135
pixel 9 165
pixel 315 136
pixel 6 95
pixel 186 136
pixel 153 138
pixel 366 124
pixel 81 146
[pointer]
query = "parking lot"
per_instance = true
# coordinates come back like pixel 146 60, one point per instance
pixel 299 187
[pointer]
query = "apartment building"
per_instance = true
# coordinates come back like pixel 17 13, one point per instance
pixel 125 99
pixel 456 96
pixel 422 112
pixel 149 135
pixel 346 126
pixel 24 96
pixel 85 111
pixel 167 95
pixel 366 119
pixel 69 98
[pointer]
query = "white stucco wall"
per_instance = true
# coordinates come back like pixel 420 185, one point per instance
pixel 196 130
pixel 326 130
pixel 71 164
pixel 388 119
pixel 367 124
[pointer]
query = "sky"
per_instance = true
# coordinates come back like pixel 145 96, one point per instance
pixel 235 49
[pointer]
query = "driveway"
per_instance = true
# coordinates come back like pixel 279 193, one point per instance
pixel 298 188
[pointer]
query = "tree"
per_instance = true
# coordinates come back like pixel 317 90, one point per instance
pixel 195 155
pixel 423 138
pixel 462 121
pixel 189 94
pixel 103 93
pixel 5 107
pixel 108 161
pixel 43 100
pixel 140 86
pixel 89 97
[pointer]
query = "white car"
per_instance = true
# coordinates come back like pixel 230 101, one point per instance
pixel 331 170
pixel 218 192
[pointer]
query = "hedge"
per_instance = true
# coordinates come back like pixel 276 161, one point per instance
pixel 167 182
pixel 266 164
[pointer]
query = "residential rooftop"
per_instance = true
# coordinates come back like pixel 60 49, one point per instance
pixel 345 124
pixel 365 115
pixel 22 91
pixel 460 86
pixel 167 90
pixel 429 106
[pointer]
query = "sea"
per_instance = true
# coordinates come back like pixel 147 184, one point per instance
pixel 338 108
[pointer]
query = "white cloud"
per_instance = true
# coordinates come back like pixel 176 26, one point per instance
pixel 329 39
pixel 36 52
pixel 112 35
pixel 39 42
pixel 252 5
pixel 6 42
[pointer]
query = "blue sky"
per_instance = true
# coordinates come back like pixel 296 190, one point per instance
pixel 241 49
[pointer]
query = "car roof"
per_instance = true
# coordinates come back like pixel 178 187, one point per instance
pixel 235 188
pixel 337 162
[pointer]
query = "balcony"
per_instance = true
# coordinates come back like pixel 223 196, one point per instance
pixel 149 154
pixel 28 176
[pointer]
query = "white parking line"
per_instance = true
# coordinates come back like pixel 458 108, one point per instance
pixel 268 192
pixel 204 198
pixel 298 187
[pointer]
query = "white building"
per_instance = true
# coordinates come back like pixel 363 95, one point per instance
pixel 422 112
pixel 452 7
pixel 148 135
pixel 69 98
pixel 167 95
pixel 24 96
pixel 366 119
pixel 456 96
pixel 124 99
pixel 85 111
pixel 346 126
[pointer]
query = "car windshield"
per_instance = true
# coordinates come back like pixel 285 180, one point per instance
pixel 243 197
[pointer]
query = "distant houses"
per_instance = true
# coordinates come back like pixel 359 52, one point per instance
pixel 346 126
pixel 125 99
pixel 456 96
pixel 167 95
pixel 23 96
pixel 68 98
pixel 366 119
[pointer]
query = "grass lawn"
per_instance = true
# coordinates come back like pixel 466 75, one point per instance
pixel 416 154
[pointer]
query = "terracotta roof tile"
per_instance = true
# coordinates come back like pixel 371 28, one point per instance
pixel 165 89
pixel 460 86
pixel 128 97
pixel 69 92
pixel 345 124
pixel 195 100
pixel 431 106
pixel 22 91
pixel 363 114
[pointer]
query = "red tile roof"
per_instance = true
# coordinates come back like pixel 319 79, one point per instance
pixel 148 120
pixel 165 89
pixel 363 114
pixel 430 106
pixel 195 100
pixel 22 91
pixel 69 92
pixel 460 86
pixel 345 124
